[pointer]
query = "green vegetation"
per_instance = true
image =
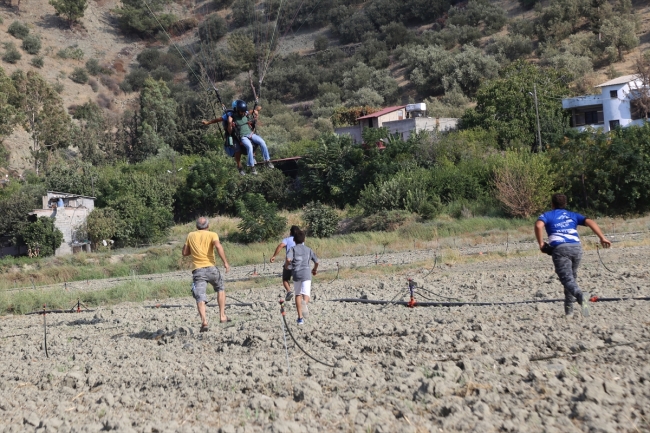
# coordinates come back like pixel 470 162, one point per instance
pixel 79 75
pixel 11 54
pixel 37 62
pixel 134 17
pixel 154 165
pixel 71 10
pixel 18 30
pixel 42 236
pixel 321 220
pixel 71 52
pixel 32 44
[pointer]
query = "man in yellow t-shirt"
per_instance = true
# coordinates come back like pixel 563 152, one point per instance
pixel 201 245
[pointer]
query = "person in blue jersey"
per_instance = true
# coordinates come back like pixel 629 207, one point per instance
pixel 564 246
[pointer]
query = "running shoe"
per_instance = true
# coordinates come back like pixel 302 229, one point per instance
pixel 585 309
pixel 288 296
pixel 242 172
pixel 300 322
pixel 305 310
pixel 253 171
pixel 269 164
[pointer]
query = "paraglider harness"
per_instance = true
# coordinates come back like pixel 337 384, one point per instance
pixel 234 138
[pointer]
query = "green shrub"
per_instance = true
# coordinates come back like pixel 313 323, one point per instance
pixel 321 43
pixel 94 68
pixel 103 224
pixel 79 75
pixel 259 219
pixel 134 81
pixel 71 10
pixel 93 84
pixel 32 44
pixel 42 236
pixel 37 62
pixel 212 29
pixel 322 221
pixel 135 17
pixel 18 30
pixel 524 182
pixel 11 54
pixel 387 221
pixel 72 52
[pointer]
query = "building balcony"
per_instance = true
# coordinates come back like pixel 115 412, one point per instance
pixel 582 101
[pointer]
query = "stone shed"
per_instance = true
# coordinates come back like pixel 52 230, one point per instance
pixel 70 219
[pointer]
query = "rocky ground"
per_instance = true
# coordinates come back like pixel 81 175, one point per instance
pixel 493 368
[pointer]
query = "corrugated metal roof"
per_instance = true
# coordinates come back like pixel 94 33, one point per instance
pixel 620 80
pixel 382 112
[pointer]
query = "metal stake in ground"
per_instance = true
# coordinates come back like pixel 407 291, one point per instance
pixel 45 332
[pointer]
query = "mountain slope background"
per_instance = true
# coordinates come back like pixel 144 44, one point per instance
pixel 102 35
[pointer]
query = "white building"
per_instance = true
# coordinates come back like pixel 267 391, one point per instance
pixel 400 119
pixel 613 107
pixel 70 219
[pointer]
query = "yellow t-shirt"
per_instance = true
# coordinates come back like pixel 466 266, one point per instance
pixel 201 243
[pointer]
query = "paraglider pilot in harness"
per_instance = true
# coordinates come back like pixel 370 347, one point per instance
pixel 240 135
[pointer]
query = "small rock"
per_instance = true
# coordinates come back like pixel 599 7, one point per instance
pixel 306 389
pixel 32 419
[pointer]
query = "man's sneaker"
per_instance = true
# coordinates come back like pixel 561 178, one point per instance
pixel 300 321
pixel 288 296
pixel 242 172
pixel 253 171
pixel 269 164
pixel 568 309
pixel 305 310
pixel 585 309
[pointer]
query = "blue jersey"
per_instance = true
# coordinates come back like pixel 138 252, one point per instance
pixel 561 226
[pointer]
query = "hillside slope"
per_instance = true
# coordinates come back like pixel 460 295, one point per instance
pixel 98 36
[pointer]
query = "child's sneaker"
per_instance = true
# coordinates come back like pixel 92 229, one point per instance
pixel 305 310
pixel 300 321
pixel 288 296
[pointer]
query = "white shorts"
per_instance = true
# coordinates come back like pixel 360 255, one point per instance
pixel 302 287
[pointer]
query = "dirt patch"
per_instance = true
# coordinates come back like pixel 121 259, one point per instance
pixel 490 368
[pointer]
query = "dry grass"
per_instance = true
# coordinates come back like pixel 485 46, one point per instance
pixel 446 235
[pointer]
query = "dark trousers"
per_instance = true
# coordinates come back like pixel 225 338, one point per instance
pixel 566 258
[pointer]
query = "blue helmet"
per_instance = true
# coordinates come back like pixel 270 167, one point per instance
pixel 241 105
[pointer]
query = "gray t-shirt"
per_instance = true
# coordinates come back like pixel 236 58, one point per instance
pixel 300 255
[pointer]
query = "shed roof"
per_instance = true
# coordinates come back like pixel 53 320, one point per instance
pixel 620 80
pixel 382 112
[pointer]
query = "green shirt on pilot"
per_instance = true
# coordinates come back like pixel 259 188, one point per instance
pixel 241 123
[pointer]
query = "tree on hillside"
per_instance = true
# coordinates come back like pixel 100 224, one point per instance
pixel 158 118
pixel 641 91
pixel 505 105
pixel 43 113
pixel 619 34
pixel 134 16
pixel 71 10
pixel 8 113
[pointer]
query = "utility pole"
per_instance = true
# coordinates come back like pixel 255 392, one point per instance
pixel 539 134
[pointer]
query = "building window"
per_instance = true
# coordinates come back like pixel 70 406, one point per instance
pixel 613 124
pixel 593 117
pixel 613 93
pixel 588 116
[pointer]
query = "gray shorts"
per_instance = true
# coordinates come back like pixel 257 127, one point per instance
pixel 200 279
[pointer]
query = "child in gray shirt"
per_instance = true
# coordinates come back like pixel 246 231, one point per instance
pixel 298 258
